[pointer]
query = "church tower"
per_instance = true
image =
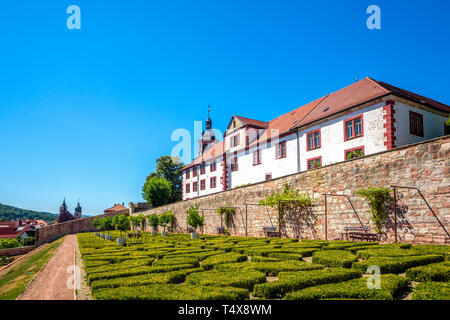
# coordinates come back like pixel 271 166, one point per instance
pixel 208 137
pixel 77 213
pixel 64 214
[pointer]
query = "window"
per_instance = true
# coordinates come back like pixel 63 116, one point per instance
pixel 354 153
pixel 281 150
pixel 194 171
pixel 257 159
pixel 314 163
pixel 247 141
pixel 213 167
pixel 212 182
pixel 221 180
pixel 353 128
pixel 313 140
pixel 234 164
pixel 202 184
pixel 202 168
pixel 416 124
pixel 235 140
pixel 268 176
pixel 188 188
pixel 188 173
pixel 194 187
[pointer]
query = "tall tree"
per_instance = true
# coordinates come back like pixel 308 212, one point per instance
pixel 170 169
pixel 157 191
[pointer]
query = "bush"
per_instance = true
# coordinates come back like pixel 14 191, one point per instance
pixel 153 221
pixel 10 243
pixel 291 281
pixel 263 259
pixel 172 292
pixel 227 278
pixel 270 268
pixel 334 258
pixel 175 261
pixel 210 262
pixel 130 263
pixel 396 264
pixel 431 291
pixel 194 219
pixel 391 287
pixel 286 256
pixel 439 272
pixel 432 249
pixel 367 253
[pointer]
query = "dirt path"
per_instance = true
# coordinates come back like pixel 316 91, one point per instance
pixel 51 283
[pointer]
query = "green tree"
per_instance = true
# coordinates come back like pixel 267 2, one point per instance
pixel 121 222
pixel 157 191
pixel 153 220
pixel 194 219
pixel 170 169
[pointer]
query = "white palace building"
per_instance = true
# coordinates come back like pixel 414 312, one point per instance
pixel 366 117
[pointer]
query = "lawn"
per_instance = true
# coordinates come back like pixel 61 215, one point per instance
pixel 14 279
pixel 227 268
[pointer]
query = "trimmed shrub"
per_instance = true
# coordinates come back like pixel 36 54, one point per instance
pixel 291 281
pixel 270 268
pixel 334 258
pixel 231 278
pixel 176 261
pixel 365 254
pixel 172 292
pixel 391 287
pixel 439 272
pixel 432 249
pixel 396 264
pixel 131 263
pixel 286 256
pixel 431 291
pixel 210 262
pixel 342 245
pixel 263 259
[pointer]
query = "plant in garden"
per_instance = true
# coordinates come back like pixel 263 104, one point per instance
pixel 194 219
pixel 142 219
pixel 97 223
pixel 165 219
pixel 226 213
pixel 288 200
pixel 121 223
pixel 153 220
pixel 378 198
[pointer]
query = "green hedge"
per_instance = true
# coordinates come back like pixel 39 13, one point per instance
pixel 270 268
pixel 263 259
pixel 131 263
pixel 431 291
pixel 432 249
pixel 231 278
pixel 175 261
pixel 396 264
pixel 365 254
pixel 135 272
pixel 144 279
pixel 391 287
pixel 172 292
pixel 334 258
pixel 291 281
pixel 286 256
pixel 439 272
pixel 210 262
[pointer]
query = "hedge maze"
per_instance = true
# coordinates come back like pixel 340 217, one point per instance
pixel 175 267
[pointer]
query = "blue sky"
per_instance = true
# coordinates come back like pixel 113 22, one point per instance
pixel 85 113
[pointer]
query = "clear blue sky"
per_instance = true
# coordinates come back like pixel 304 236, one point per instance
pixel 85 113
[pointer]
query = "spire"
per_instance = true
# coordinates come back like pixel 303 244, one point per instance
pixel 209 121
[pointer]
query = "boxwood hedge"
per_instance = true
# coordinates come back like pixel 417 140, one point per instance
pixel 270 268
pixel 210 262
pixel 396 264
pixel 439 272
pixel 334 258
pixel 232 278
pixel 431 291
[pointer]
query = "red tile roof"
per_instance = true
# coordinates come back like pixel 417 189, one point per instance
pixel 358 93
pixel 116 207
pixel 6 230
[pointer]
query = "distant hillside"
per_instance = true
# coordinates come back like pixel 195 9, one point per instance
pixel 13 213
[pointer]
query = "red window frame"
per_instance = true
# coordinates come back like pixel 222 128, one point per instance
pixel 353 149
pixel 268 175
pixel 213 182
pixel 353 121
pixel 234 164
pixel 194 171
pixel 278 150
pixel 203 184
pixel 257 157
pixel 194 186
pixel 235 140
pixel 213 167
pixel 247 141
pixel 202 168
pixel 188 173
pixel 314 147
pixel 188 188
pixel 416 128
pixel 308 162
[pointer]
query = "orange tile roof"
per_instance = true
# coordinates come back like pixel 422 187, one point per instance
pixel 351 96
pixel 116 207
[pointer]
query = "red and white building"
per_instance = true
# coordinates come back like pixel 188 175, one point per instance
pixel 364 118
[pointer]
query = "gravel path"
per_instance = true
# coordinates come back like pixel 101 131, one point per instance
pixel 51 283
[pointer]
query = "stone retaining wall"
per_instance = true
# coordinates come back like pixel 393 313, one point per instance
pixel 15 251
pixel 424 165
pixel 55 231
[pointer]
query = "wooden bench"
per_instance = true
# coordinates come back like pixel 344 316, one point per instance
pixel 358 233
pixel 271 232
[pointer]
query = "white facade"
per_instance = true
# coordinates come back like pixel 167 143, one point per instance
pixel 332 148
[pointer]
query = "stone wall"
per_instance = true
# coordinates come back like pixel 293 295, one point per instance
pixel 15 251
pixel 55 231
pixel 424 165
